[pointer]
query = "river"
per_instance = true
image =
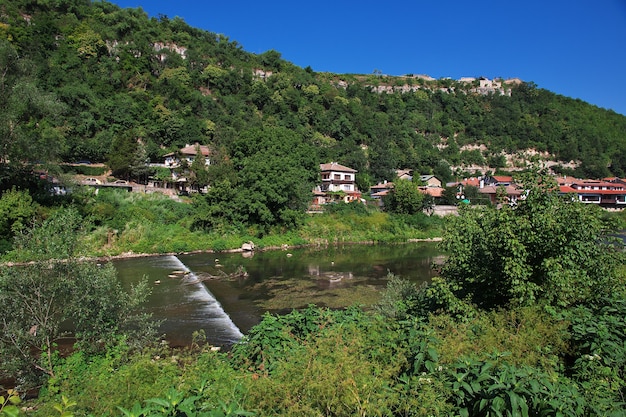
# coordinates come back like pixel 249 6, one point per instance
pixel 226 294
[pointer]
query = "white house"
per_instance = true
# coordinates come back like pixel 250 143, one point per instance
pixel 338 184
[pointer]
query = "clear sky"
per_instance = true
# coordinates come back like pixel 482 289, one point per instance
pixel 576 48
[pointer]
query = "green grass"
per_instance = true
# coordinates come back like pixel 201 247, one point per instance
pixel 153 223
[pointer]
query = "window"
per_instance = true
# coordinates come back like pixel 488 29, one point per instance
pixel 337 176
pixel 347 177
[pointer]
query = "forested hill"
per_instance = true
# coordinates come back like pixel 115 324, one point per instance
pixel 86 80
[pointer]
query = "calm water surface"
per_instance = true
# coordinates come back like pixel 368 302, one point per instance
pixel 210 298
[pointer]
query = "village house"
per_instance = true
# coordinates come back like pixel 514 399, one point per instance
pixel 430 181
pixel 434 192
pixel 405 174
pixel 380 190
pixel 187 154
pixel 498 194
pixel 609 194
pixel 431 186
pixel 338 185
pixel 496 180
pixel 178 163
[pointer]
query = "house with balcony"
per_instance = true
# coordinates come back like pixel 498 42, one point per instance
pixel 497 180
pixel 502 194
pixel 381 189
pixel 338 184
pixel 404 174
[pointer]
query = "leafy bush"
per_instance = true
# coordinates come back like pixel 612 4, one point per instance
pixel 17 212
pixel 153 382
pixel 399 300
pixel 277 336
pixel 598 338
pixel 529 334
pixel 547 249
pixel 354 207
pixel 41 298
pixel 494 388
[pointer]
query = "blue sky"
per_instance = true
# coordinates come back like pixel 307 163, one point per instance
pixel 576 48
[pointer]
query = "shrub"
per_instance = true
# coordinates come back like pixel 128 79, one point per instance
pixel 598 338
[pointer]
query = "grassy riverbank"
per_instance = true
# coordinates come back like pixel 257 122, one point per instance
pixel 119 223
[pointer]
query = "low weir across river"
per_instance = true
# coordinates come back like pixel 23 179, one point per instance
pixel 184 303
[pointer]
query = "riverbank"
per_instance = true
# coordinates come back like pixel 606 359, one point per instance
pixel 130 255
pixel 260 249
pixel 119 225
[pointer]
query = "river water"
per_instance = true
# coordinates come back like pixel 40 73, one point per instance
pixel 210 291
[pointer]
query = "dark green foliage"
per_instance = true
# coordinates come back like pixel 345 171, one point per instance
pixel 122 155
pixel 276 172
pixel 449 196
pixel 405 198
pixel 176 403
pixel 88 170
pixel 548 249
pixel 17 212
pixel 29 117
pixel 56 238
pixel 489 388
pixel 599 352
pixel 279 336
pixel 354 207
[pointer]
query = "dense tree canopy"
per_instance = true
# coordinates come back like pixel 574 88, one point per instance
pixel 276 172
pixel 405 198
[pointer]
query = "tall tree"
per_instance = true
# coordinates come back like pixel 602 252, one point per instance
pixel 404 198
pixel 139 168
pixel 277 171
pixel 123 153
pixel 198 170
pixel 17 212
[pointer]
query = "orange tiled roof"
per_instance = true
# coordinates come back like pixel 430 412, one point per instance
pixel 191 150
pixel 475 182
pixel 432 191
pixel 492 189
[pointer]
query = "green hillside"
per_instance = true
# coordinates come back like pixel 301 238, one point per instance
pixel 86 80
